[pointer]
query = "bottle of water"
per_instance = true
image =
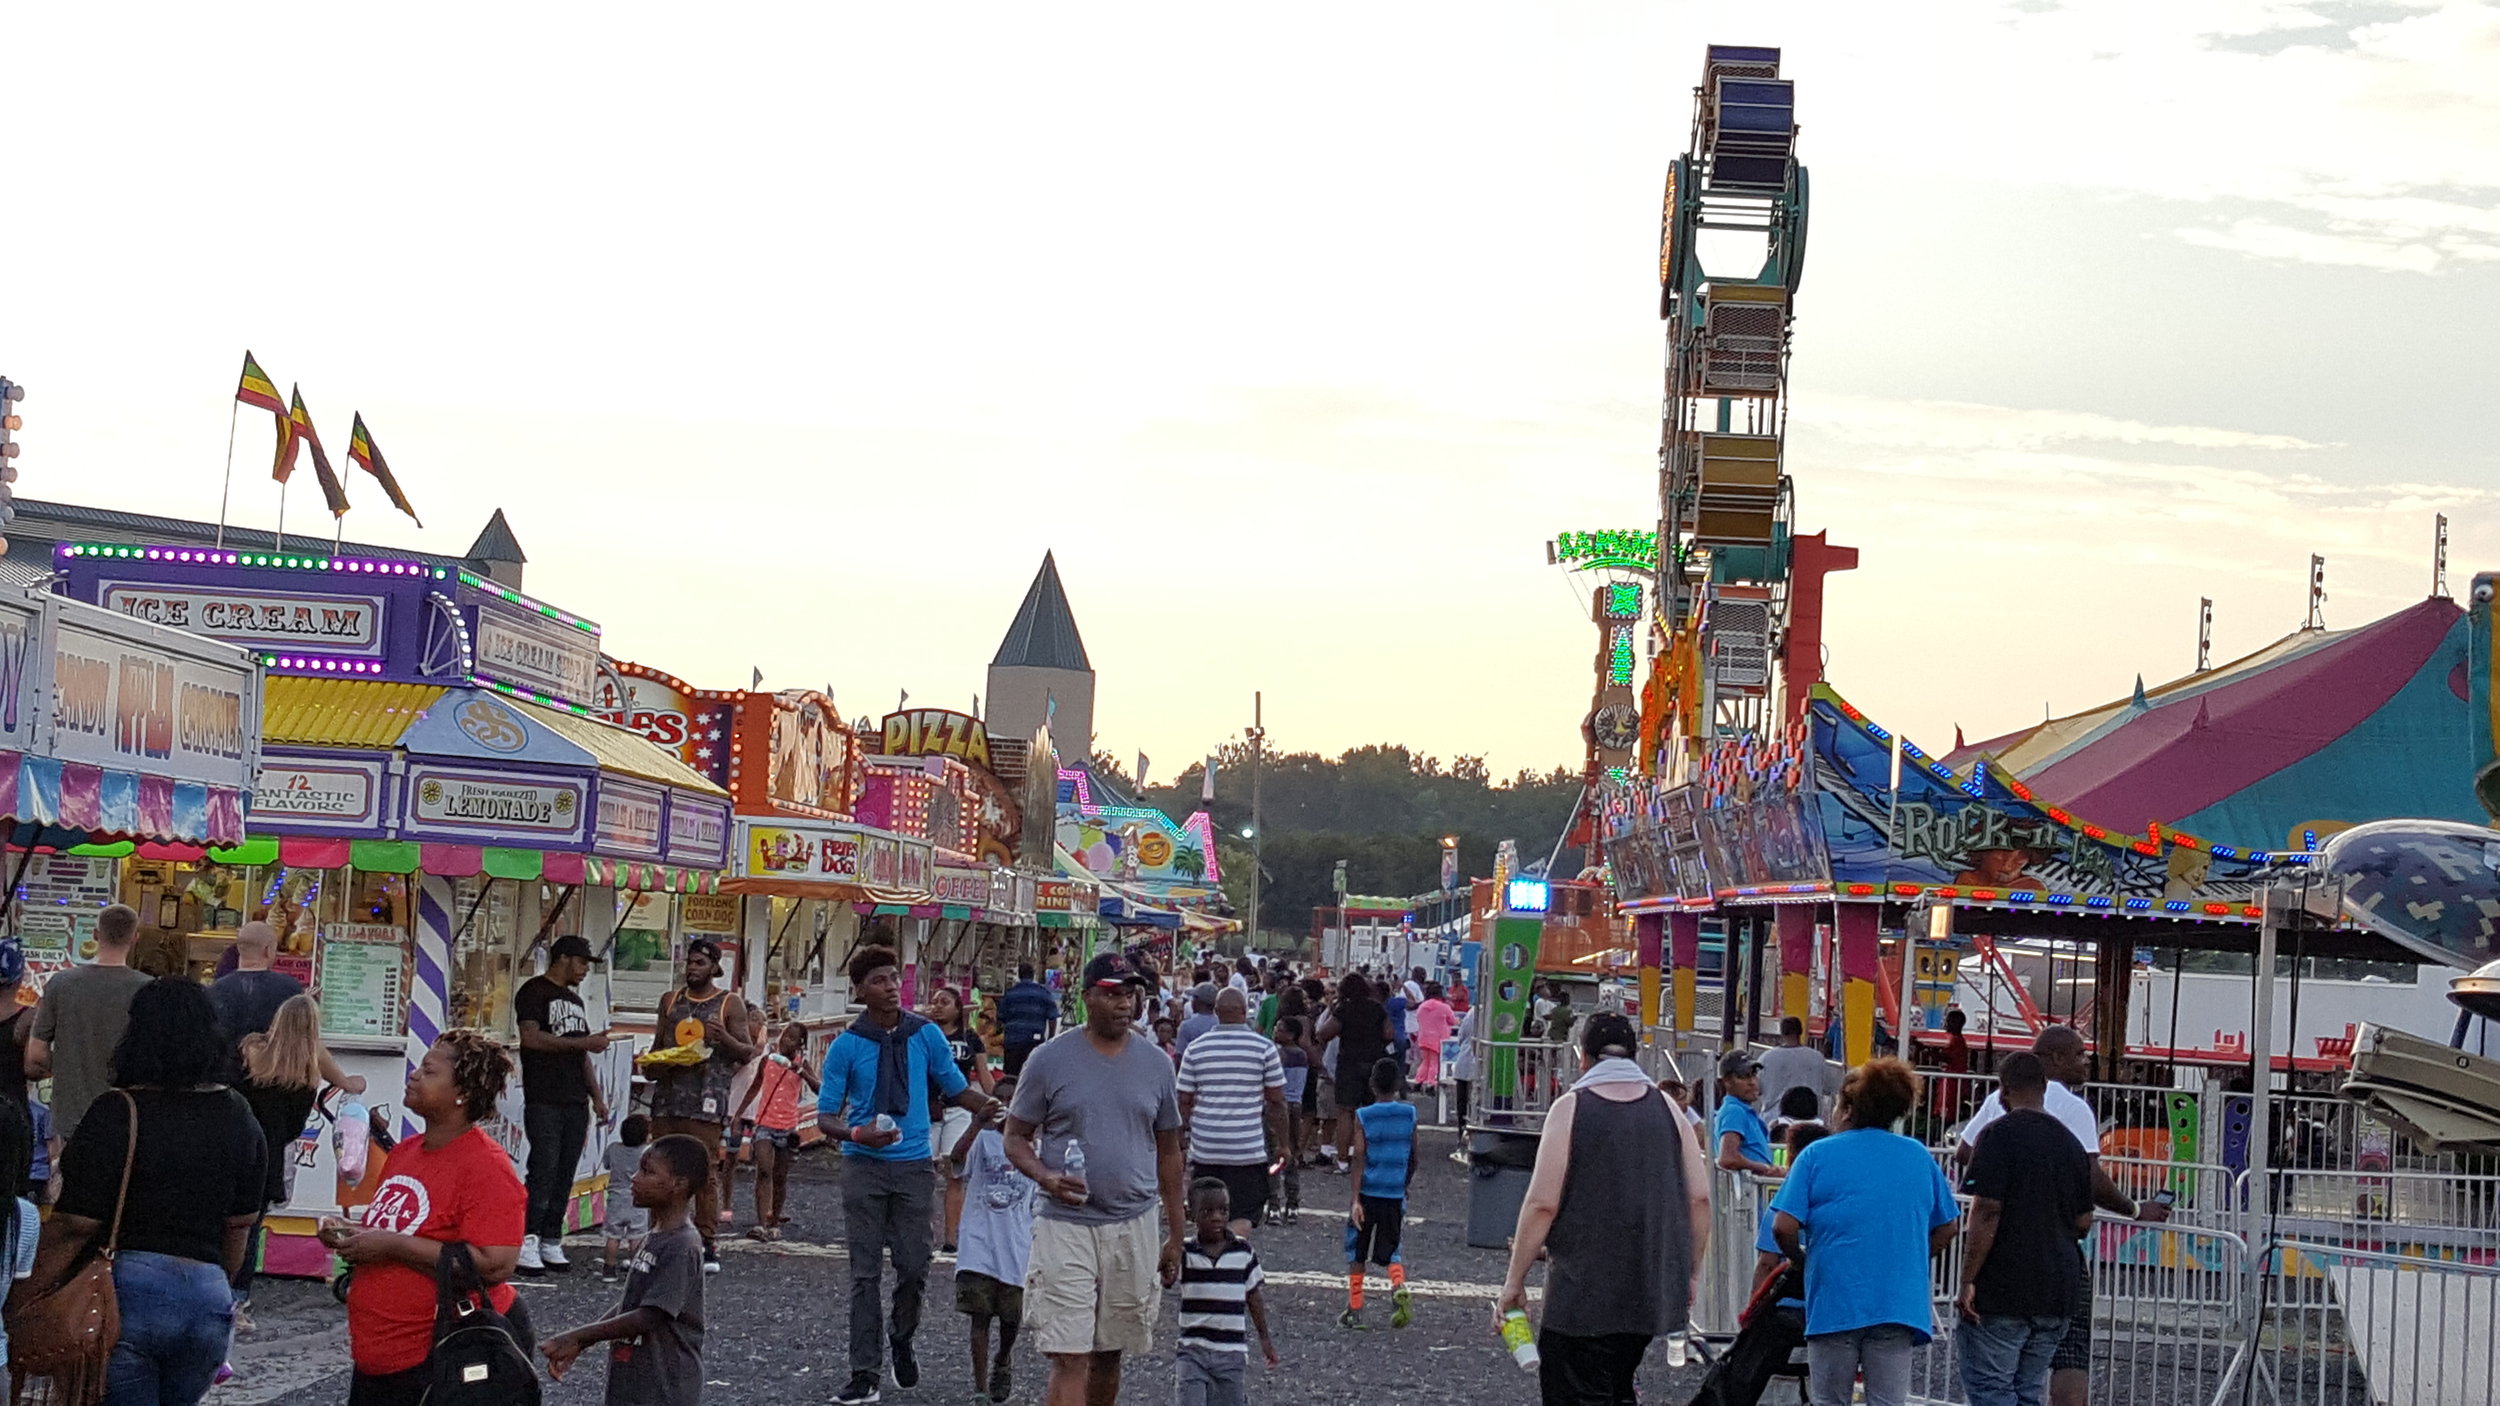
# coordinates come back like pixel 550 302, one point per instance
pixel 1073 1164
pixel 884 1123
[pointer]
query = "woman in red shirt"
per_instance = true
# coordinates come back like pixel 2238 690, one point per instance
pixel 455 1184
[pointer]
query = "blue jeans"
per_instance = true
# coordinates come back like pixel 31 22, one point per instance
pixel 1834 1360
pixel 2005 1358
pixel 176 1317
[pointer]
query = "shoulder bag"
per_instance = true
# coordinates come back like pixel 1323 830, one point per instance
pixel 65 1318
pixel 478 1359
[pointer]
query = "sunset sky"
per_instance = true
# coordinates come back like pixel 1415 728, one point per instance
pixel 791 337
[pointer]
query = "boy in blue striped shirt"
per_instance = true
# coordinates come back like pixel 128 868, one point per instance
pixel 1384 1164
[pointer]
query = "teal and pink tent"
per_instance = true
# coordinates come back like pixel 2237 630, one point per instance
pixel 2318 731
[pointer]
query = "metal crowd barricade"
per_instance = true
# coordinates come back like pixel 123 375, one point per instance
pixel 2348 1327
pixel 1516 1083
pixel 2169 1317
pixel 1736 1202
pixel 2432 1213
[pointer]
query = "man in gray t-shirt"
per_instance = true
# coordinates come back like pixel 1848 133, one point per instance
pixel 82 1016
pixel 1098 1271
pixel 1794 1064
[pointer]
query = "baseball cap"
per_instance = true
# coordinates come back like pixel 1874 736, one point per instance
pixel 1736 1064
pixel 704 945
pixel 568 947
pixel 1112 969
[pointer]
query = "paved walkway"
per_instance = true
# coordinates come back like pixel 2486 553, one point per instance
pixel 778 1317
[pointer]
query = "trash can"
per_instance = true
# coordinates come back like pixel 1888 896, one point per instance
pixel 1498 1167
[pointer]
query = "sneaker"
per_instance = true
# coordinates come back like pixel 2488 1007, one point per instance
pixel 860 1391
pixel 1002 1380
pixel 1352 1318
pixel 711 1265
pixel 1401 1307
pixel 551 1254
pixel 906 1365
pixel 531 1261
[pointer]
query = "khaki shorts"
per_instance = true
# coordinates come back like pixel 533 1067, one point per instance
pixel 1094 1288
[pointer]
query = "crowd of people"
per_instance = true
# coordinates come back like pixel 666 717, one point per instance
pixel 1075 1174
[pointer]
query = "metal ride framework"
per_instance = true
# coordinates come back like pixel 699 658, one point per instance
pixel 1726 504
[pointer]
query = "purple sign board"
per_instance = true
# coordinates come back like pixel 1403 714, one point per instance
pixel 698 831
pixel 477 768
pixel 322 793
pixel 328 616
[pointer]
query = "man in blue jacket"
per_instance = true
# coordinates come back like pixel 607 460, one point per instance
pixel 1026 1011
pixel 874 1101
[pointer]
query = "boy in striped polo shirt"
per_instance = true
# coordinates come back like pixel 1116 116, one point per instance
pixel 1220 1282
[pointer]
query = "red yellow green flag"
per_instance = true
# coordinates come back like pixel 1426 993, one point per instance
pixel 332 491
pixel 291 430
pixel 257 389
pixel 362 453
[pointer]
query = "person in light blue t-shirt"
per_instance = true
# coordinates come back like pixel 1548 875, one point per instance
pixel 1740 1083
pixel 881 1066
pixel 1868 1209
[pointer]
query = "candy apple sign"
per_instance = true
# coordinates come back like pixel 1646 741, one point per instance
pixel 2431 886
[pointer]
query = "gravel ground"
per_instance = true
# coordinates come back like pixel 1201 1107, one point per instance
pixel 778 1316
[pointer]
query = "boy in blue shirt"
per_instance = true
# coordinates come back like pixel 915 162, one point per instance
pixel 874 1101
pixel 1737 1135
pixel 1383 1166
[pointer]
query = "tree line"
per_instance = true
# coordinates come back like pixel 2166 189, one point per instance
pixel 1382 809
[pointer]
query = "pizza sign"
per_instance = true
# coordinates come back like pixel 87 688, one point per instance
pixel 935 732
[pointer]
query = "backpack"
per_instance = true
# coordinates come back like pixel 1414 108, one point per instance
pixel 478 1359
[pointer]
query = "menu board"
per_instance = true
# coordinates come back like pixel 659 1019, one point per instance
pixel 709 912
pixel 360 978
pixel 57 903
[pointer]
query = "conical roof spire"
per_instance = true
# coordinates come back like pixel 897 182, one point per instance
pixel 496 542
pixel 1044 635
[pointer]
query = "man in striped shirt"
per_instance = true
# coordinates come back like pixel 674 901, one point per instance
pixel 1220 1303
pixel 1232 1096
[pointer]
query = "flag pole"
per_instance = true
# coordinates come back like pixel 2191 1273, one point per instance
pixel 223 494
pixel 281 515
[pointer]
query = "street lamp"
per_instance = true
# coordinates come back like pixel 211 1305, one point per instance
pixel 1257 738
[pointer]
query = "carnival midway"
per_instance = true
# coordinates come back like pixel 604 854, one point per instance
pixel 415 1002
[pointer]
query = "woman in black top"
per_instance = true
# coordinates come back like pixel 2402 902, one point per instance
pixel 15 1029
pixel 197 1177
pixel 284 1068
pixel 1360 1026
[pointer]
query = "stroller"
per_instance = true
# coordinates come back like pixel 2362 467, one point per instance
pixel 1770 1342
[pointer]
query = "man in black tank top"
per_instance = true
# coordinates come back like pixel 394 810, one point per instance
pixel 1620 1205
pixel 694 1099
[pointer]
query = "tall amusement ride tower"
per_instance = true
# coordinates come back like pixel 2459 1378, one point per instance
pixel 1721 608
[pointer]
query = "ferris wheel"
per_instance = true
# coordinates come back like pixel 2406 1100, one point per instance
pixel 1725 498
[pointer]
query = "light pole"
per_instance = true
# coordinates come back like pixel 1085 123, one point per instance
pixel 1257 831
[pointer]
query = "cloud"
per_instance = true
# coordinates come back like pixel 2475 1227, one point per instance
pixel 2268 240
pixel 1950 424
pixel 2013 558
pixel 2355 135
